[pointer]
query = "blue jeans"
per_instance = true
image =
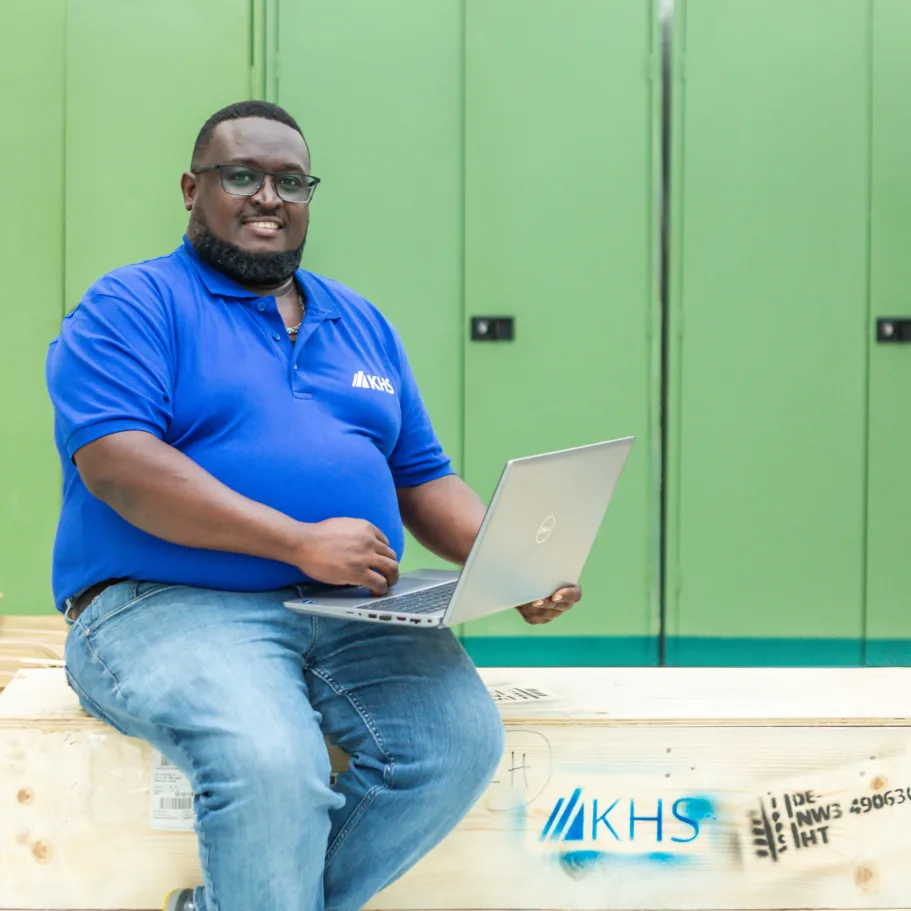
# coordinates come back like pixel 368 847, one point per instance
pixel 238 692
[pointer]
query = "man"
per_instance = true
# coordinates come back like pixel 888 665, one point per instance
pixel 216 457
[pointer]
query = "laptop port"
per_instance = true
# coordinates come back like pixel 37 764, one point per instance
pixel 385 616
pixel 415 620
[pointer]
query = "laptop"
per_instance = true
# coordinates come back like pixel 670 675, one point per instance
pixel 536 536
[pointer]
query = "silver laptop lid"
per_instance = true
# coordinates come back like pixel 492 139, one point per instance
pixel 539 529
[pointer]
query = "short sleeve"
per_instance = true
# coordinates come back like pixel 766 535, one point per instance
pixel 110 368
pixel 418 456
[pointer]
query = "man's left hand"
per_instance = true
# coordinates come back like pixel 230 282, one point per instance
pixel 445 515
pixel 550 608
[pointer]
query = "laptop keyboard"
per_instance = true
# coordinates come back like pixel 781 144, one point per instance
pixel 428 601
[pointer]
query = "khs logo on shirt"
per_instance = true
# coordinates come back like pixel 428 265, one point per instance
pixel 379 383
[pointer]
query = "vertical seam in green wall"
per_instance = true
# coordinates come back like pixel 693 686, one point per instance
pixel 272 46
pixel 63 182
pixel 674 364
pixel 680 107
pixel 276 46
pixel 251 40
pixel 257 87
pixel 463 195
pixel 657 195
pixel 63 195
pixel 669 352
pixel 865 519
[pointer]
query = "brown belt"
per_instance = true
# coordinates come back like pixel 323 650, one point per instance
pixel 81 602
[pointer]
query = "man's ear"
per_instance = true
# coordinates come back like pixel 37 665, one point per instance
pixel 188 186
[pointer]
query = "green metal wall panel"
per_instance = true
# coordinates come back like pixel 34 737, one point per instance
pixel 141 80
pixel 31 236
pixel 888 624
pixel 768 354
pixel 500 156
pixel 561 128
pixel 377 89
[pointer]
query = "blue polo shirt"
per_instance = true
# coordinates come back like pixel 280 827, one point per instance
pixel 328 427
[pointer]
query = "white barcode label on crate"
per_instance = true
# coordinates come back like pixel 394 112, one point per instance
pixel 507 694
pixel 170 796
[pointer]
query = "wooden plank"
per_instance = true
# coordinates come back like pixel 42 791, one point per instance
pixel 52 624
pixel 732 696
pixel 68 798
pixel 585 813
pixel 615 696
pixel 24 639
pixel 684 812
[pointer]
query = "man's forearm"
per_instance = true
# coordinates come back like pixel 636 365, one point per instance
pixel 166 494
pixel 444 516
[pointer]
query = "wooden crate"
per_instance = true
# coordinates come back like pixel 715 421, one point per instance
pixel 28 640
pixel 619 789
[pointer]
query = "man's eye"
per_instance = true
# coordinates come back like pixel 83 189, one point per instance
pixel 292 182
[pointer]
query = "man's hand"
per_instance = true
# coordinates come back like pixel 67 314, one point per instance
pixel 348 552
pixel 445 515
pixel 550 608
pixel 163 492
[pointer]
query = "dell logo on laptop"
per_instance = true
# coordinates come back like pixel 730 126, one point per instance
pixel 546 529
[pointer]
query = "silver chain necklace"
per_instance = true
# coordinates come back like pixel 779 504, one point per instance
pixel 293 330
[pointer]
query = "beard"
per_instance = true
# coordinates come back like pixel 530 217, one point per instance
pixel 252 270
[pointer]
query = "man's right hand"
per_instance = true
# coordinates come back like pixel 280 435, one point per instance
pixel 166 494
pixel 348 552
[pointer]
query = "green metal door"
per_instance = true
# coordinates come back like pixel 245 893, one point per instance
pixel 377 89
pixel 888 619
pixel 141 80
pixel 561 133
pixel 31 236
pixel 110 97
pixel 768 349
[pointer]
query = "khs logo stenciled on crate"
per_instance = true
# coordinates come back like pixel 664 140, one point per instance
pixel 585 818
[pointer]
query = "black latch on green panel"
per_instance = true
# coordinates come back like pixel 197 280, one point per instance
pixel 893 329
pixel 492 329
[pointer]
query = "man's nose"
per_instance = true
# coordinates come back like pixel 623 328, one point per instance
pixel 266 195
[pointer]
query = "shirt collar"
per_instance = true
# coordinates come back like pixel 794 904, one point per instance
pixel 220 285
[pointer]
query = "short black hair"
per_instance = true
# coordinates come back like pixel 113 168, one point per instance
pixel 238 111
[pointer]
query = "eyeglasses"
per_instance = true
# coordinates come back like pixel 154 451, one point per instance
pixel 244 180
